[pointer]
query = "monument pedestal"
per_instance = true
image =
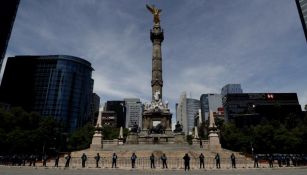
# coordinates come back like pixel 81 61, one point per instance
pixel 156 139
pixel 132 138
pixel 155 135
pixel 163 116
pixel 214 141
pixel 195 142
pixel 179 137
pixel 120 141
pixel 168 132
pixel 96 141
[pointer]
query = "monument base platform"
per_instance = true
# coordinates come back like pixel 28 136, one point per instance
pixel 132 138
pixel 157 139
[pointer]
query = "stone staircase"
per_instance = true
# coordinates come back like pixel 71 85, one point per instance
pixel 174 153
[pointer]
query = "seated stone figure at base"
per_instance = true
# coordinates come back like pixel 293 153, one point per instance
pixel 135 128
pixel 178 127
pixel 157 129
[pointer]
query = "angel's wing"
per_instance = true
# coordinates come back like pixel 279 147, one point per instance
pixel 149 8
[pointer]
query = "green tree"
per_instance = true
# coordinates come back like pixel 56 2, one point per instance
pixel 110 133
pixel 232 137
pixel 23 132
pixel 81 138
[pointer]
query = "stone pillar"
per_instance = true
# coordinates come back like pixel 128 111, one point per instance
pixel 156 36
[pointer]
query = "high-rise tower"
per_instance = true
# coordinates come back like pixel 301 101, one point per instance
pixel 302 10
pixel 8 10
pixel 60 86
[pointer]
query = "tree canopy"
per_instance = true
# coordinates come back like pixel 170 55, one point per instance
pixel 22 132
pixel 273 136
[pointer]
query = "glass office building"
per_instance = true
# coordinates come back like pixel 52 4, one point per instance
pixel 55 85
pixel 119 108
pixel 134 112
pixel 210 102
pixel 231 89
pixel 246 109
pixel 8 11
pixel 186 110
pixel 193 105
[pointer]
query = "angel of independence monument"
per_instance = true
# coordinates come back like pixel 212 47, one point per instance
pixel 157 110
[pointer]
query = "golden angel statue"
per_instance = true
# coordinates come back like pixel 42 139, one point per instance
pixel 156 13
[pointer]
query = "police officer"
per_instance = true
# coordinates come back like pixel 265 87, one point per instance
pixel 114 158
pixel 217 161
pixel 164 159
pixel 233 160
pixel 271 160
pixel 83 159
pixel 68 157
pixel 97 158
pixel 256 159
pixel 133 159
pixel 186 159
pixel 45 160
pixel 152 161
pixel 201 160
pixel 56 162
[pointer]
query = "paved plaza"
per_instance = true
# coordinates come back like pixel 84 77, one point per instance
pixel 8 170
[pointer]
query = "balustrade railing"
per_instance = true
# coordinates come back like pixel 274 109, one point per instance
pixel 144 162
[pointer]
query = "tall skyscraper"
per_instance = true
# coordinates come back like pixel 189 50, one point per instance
pixel 210 102
pixel 181 112
pixel 133 112
pixel 231 89
pixel 8 10
pixel 302 10
pixel 55 85
pixel 186 112
pixel 119 108
pixel 193 106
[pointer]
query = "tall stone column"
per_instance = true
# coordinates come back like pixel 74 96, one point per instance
pixel 156 37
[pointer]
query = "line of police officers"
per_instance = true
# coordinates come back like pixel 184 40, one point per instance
pixel 270 158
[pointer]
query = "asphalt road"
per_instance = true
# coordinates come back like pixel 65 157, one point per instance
pixel 7 170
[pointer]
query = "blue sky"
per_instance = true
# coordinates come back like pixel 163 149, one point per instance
pixel 208 43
